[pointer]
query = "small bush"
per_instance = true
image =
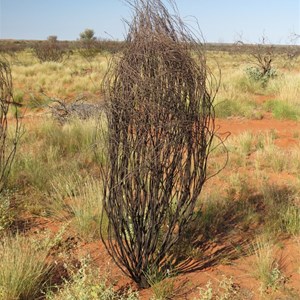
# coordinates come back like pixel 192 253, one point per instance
pixel 89 47
pixel 88 284
pixel 256 74
pixel 51 50
pixel 262 56
pixel 226 290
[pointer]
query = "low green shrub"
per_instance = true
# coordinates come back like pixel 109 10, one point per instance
pixel 226 290
pixel 88 284
pixel 257 75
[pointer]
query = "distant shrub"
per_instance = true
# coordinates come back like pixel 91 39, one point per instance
pixel 51 50
pixel 261 57
pixel 89 47
pixel 88 35
pixel 52 38
pixel 256 74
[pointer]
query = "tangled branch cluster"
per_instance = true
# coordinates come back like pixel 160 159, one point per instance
pixel 160 129
pixel 63 111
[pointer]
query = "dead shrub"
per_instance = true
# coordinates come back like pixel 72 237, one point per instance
pixel 51 50
pixel 160 123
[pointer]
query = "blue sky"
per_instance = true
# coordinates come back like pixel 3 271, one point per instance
pixel 219 20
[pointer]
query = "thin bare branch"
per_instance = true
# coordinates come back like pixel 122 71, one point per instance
pixel 8 145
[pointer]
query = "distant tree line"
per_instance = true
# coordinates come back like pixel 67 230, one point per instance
pixel 89 45
pixel 116 46
pixel 99 45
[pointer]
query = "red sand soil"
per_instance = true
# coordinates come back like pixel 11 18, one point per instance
pixel 285 130
pixel 186 286
pixel 240 269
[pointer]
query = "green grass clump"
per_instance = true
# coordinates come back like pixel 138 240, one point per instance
pixel 290 217
pixel 51 150
pixel 233 108
pixel 246 85
pixel 38 101
pixel 282 110
pixel 18 96
pixel 266 268
pixel 7 213
pixel 282 214
pixel 48 151
pixel 23 267
pixel 76 136
pixel 78 199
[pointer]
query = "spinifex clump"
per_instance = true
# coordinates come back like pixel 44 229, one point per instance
pixel 160 128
